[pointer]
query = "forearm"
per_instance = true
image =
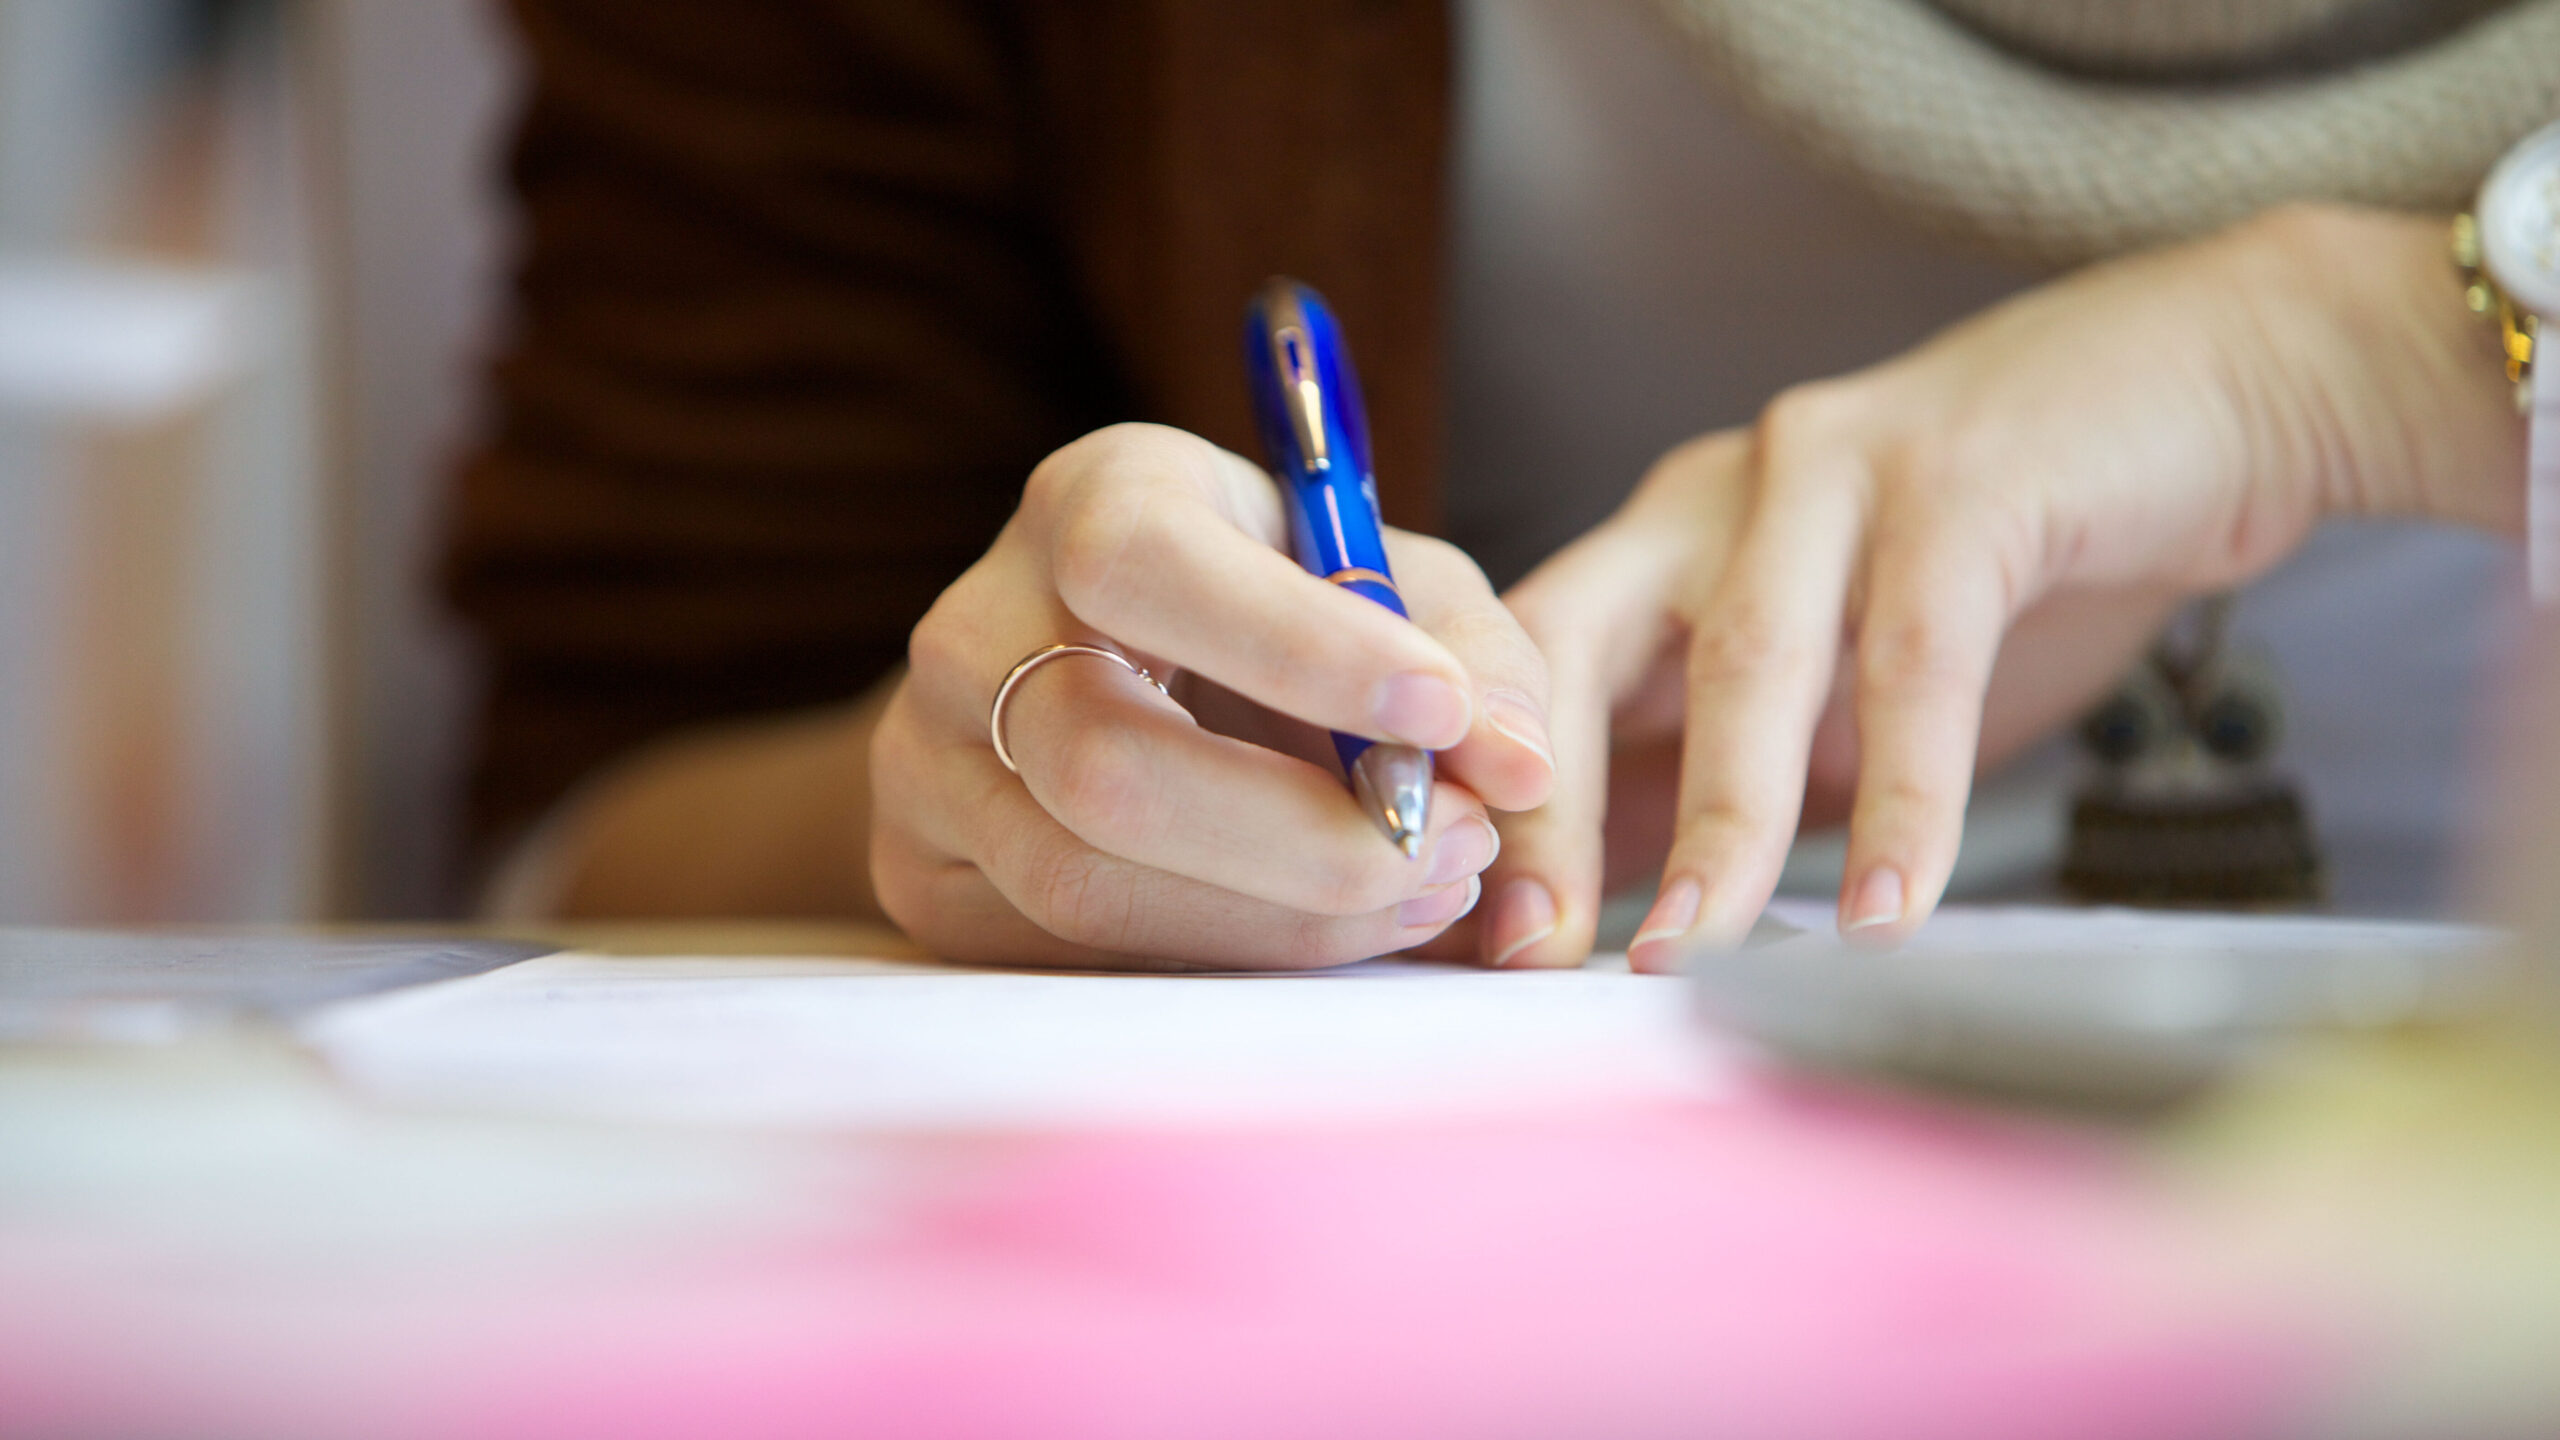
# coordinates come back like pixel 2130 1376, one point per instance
pixel 764 819
pixel 2394 401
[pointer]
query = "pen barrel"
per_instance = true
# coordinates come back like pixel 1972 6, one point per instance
pixel 1334 534
pixel 1334 545
pixel 1315 433
pixel 1332 537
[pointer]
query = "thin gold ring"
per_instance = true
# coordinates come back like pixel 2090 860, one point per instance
pixel 1038 658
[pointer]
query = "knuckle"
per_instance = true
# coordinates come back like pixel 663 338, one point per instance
pixel 1477 634
pixel 1315 941
pixel 1060 474
pixel 893 757
pixel 1918 790
pixel 1912 794
pixel 1742 642
pixel 2014 544
pixel 1680 469
pixel 925 897
pixel 1092 539
pixel 1064 468
pixel 1103 785
pixel 1540 605
pixel 1698 451
pixel 1739 818
pixel 1347 885
pixel 1809 419
pixel 1439 558
pixel 1912 653
pixel 1729 826
pixel 899 887
pixel 944 642
pixel 1961 475
pixel 1087 494
pixel 1116 448
pixel 1932 467
pixel 1128 448
pixel 1069 892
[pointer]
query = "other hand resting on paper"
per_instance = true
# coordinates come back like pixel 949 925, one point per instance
pixel 1135 836
pixel 1901 574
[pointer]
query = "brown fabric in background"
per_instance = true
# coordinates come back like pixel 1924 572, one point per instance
pixel 806 288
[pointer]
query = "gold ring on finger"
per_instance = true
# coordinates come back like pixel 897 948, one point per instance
pixel 1038 658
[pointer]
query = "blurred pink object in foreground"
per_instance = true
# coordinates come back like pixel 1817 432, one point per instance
pixel 1782 1267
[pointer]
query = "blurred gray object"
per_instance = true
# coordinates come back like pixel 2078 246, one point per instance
pixel 418 95
pixel 2099 1009
pixel 123 985
pixel 247 252
pixel 166 737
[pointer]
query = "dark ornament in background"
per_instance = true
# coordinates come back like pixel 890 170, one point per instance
pixel 2186 807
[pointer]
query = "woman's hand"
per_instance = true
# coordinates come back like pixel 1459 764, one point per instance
pixel 1137 836
pixel 1896 574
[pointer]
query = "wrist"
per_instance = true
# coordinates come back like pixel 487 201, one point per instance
pixel 2387 394
pixel 766 818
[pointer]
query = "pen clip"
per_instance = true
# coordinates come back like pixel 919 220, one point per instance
pixel 1293 361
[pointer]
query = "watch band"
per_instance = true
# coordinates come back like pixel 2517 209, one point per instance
pixel 2510 256
pixel 2518 328
pixel 2519 331
pixel 2542 490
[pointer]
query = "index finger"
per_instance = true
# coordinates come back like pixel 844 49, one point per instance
pixel 1761 660
pixel 1144 545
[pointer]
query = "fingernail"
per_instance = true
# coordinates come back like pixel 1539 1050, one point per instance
pixel 1523 915
pixel 1673 916
pixel 1441 906
pixel 1877 900
pixel 1420 709
pixel 1466 850
pixel 1510 712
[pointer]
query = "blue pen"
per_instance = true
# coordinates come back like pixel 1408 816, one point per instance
pixel 1317 439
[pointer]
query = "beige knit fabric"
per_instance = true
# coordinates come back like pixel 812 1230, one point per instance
pixel 2063 130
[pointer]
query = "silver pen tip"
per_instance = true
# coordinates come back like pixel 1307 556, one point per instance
pixel 1394 786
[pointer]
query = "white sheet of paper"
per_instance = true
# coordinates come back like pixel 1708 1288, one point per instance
pixel 882 1046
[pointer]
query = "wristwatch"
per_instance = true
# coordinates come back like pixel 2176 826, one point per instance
pixel 2512 255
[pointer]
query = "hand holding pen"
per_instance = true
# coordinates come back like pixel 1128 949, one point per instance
pixel 1212 826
